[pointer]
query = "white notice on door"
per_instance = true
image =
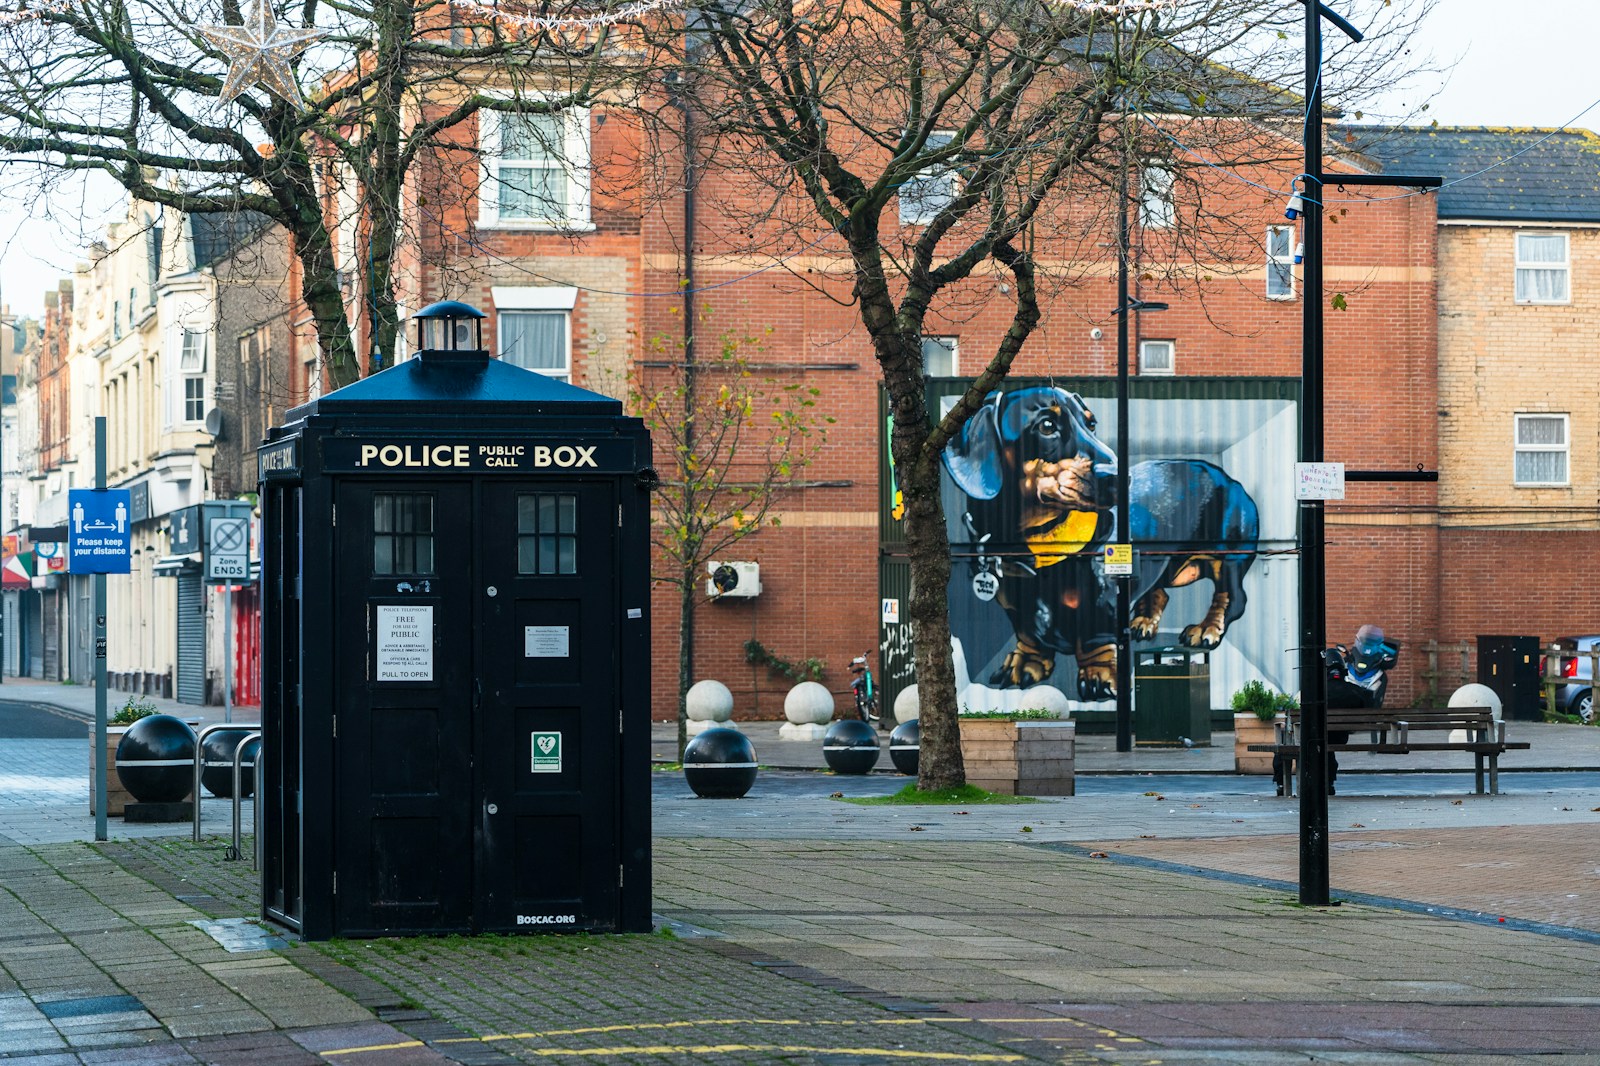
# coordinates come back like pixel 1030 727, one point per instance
pixel 404 649
pixel 545 642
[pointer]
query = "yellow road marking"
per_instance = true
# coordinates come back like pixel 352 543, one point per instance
pixel 373 1047
pixel 695 1049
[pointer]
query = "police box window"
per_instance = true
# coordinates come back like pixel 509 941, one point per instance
pixel 547 533
pixel 402 533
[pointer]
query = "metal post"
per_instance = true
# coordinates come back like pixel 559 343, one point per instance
pixel 1313 563
pixel 227 651
pixel 103 763
pixel 1124 604
pixel 235 852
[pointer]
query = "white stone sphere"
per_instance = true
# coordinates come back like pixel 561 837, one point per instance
pixel 709 701
pixel 1476 696
pixel 907 705
pixel 1047 698
pixel 808 703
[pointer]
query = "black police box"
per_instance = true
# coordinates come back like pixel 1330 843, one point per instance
pixel 456 652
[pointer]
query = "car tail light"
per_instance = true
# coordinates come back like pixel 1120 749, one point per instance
pixel 1569 667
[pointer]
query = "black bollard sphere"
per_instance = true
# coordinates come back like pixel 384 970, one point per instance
pixel 155 759
pixel 905 747
pixel 850 746
pixel 216 766
pixel 720 764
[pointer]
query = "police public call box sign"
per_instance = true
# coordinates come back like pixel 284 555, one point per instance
pixel 99 531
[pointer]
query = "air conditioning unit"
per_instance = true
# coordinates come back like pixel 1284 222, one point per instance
pixel 734 581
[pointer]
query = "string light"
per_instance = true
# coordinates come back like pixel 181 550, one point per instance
pixel 29 14
pixel 644 7
pixel 547 22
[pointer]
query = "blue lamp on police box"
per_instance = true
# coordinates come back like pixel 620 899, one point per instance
pixel 450 331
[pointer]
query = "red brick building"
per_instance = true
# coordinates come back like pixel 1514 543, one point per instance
pixel 581 276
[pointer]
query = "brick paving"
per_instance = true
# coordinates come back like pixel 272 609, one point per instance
pixel 811 931
pixel 1540 873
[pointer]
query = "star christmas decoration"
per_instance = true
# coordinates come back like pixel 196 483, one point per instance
pixel 259 53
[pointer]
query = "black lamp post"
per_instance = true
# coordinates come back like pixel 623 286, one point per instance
pixel 1125 306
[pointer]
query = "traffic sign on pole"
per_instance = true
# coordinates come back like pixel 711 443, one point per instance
pixel 228 550
pixel 99 531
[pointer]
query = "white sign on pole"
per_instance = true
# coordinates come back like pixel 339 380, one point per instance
pixel 404 649
pixel 228 550
pixel 1319 481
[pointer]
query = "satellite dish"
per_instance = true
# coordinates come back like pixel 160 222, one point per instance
pixel 214 421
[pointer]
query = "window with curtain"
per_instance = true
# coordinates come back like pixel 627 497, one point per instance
pixel 537 341
pixel 535 169
pixel 930 191
pixel 1156 210
pixel 1543 268
pixel 1541 450
pixel 939 357
pixel 1157 357
pixel 1280 262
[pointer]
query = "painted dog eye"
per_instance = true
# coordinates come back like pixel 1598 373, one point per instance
pixel 1049 427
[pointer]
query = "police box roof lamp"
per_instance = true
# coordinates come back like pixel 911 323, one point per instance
pixel 450 332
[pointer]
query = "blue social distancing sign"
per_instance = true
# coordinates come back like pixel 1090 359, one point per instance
pixel 99 531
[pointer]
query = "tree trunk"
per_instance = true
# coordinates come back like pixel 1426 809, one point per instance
pixel 686 605
pixel 928 548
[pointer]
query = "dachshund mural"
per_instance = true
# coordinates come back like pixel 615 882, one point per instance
pixel 1041 492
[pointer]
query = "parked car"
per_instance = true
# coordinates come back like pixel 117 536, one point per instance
pixel 1576 694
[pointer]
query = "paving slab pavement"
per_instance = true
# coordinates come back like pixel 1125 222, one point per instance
pixel 814 931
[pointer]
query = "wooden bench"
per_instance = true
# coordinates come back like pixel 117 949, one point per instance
pixel 1396 733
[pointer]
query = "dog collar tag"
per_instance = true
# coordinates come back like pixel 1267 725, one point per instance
pixel 985 585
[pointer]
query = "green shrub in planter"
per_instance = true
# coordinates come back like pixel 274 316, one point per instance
pixel 1262 701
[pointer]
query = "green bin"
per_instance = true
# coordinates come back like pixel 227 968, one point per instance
pixel 1171 697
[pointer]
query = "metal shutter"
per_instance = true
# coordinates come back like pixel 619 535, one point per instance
pixel 191 684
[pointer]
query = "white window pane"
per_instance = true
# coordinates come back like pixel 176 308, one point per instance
pixel 528 192
pixel 930 191
pixel 939 356
pixel 1278 242
pixel 1542 468
pixel 1544 286
pixel 531 137
pixel 1550 431
pixel 535 341
pixel 1155 357
pixel 1155 201
pixel 193 355
pixel 1280 279
pixel 1541 247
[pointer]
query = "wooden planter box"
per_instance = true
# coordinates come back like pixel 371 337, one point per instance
pixel 1248 729
pixel 1019 758
pixel 117 797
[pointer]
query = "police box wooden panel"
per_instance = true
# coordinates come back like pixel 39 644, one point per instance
pixel 471 706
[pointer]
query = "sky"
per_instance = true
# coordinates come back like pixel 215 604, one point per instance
pixel 1523 64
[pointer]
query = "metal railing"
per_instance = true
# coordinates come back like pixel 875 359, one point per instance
pixel 233 852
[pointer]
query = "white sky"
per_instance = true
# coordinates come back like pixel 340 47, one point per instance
pixel 1528 63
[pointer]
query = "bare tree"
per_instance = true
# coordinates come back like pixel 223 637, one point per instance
pixel 936 143
pixel 732 442
pixel 133 89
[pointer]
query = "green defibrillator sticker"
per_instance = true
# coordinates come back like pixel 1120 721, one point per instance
pixel 547 753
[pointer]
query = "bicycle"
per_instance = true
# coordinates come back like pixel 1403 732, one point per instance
pixel 865 692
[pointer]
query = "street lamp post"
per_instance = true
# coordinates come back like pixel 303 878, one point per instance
pixel 1124 636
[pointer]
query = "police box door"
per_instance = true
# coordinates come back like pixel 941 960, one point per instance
pixel 477 737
